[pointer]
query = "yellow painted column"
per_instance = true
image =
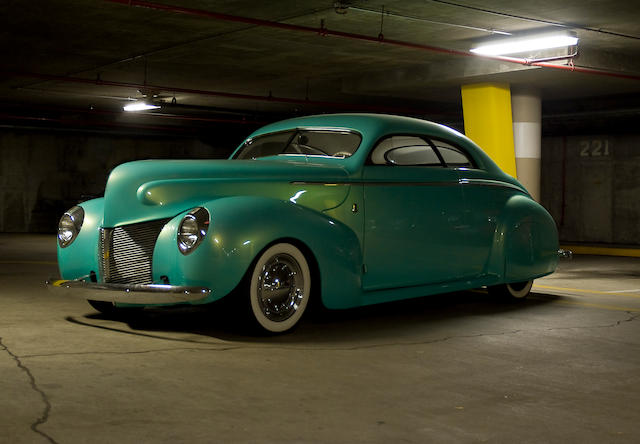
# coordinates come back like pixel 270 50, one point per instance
pixel 488 122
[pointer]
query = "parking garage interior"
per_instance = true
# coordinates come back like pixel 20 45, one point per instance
pixel 559 366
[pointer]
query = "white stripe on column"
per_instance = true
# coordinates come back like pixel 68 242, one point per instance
pixel 527 139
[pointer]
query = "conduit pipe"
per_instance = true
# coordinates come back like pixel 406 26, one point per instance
pixel 323 31
pixel 177 129
pixel 228 95
pixel 160 115
pixel 93 112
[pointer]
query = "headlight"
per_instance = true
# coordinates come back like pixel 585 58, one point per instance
pixel 192 229
pixel 69 226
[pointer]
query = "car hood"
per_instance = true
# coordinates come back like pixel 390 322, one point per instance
pixel 154 189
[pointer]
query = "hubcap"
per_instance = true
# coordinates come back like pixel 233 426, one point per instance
pixel 280 287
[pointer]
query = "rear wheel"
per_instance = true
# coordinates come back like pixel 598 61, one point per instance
pixel 516 290
pixel 279 288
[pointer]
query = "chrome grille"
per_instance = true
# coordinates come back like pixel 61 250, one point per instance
pixel 126 252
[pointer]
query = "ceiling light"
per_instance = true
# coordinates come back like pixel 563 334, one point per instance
pixel 140 106
pixel 514 45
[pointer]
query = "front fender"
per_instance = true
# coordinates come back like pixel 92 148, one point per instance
pixel 242 227
pixel 81 257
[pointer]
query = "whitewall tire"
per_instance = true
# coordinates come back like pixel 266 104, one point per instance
pixel 279 288
pixel 516 290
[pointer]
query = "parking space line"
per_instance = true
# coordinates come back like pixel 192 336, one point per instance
pixel 581 290
pixel 590 305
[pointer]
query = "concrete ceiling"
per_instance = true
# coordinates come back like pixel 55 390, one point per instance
pixel 71 62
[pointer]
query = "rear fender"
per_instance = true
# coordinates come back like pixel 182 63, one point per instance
pixel 526 242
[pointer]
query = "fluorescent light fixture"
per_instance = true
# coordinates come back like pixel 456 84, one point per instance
pixel 516 45
pixel 139 106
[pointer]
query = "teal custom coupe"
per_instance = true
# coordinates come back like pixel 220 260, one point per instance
pixel 347 209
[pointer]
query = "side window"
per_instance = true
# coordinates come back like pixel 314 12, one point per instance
pixel 324 143
pixel 334 143
pixel 453 156
pixel 405 151
pixel 267 145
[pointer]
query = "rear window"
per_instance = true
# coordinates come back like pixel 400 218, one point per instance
pixel 407 150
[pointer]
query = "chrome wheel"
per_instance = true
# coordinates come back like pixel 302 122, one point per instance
pixel 279 288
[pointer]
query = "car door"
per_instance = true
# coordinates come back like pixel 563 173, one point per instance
pixel 414 216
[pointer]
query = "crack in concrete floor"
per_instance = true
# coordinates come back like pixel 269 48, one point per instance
pixel 631 318
pixel 245 346
pixel 44 417
pixel 34 386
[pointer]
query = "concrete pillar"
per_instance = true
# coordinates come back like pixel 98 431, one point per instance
pixel 527 133
pixel 487 121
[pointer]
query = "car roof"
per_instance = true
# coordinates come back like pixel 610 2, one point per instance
pixel 377 124
pixel 373 127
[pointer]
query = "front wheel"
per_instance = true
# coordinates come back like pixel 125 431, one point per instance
pixel 279 288
pixel 517 290
pixel 109 309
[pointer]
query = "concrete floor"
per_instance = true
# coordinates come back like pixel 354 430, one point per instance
pixel 562 366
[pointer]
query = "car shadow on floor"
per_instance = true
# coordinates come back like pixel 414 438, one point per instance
pixel 382 322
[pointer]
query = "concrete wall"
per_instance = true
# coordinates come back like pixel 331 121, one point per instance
pixel 591 186
pixel 43 173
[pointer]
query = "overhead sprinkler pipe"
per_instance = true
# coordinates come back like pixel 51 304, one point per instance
pixel 323 31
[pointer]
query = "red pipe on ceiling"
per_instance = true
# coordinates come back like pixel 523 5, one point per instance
pixel 328 32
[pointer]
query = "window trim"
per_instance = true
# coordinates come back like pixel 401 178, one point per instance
pixel 465 153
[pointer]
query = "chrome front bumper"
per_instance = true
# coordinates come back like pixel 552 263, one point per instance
pixel 127 293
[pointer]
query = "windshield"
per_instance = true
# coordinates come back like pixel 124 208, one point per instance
pixel 328 143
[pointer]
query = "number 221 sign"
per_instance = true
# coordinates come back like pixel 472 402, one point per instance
pixel 594 148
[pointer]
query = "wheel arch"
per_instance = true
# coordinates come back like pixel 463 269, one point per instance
pixel 243 227
pixel 314 268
